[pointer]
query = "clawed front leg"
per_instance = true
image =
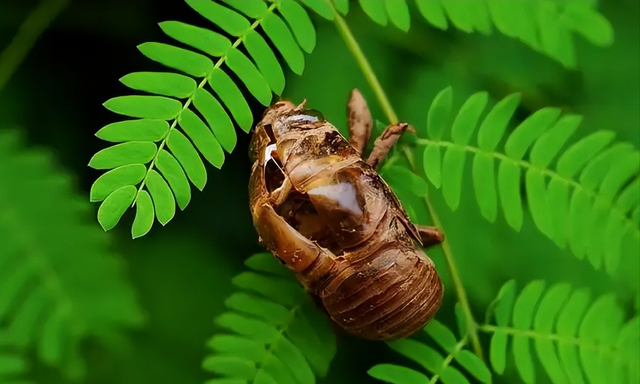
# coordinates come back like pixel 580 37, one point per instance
pixel 430 235
pixel 360 121
pixel 384 143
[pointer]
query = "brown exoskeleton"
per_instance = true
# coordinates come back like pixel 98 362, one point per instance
pixel 327 215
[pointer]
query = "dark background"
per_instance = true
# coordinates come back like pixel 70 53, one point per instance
pixel 182 271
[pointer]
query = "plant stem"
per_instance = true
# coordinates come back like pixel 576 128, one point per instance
pixel 366 69
pixel 356 51
pixel 32 27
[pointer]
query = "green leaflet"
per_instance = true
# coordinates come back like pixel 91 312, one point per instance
pixel 467 118
pixel 375 9
pixel 230 344
pixel 484 184
pixel 403 178
pixel 579 214
pixel 596 170
pixel 281 37
pixel 579 154
pixel 395 374
pixel 459 15
pixel 554 38
pixel 188 157
pixel 225 18
pixel 145 214
pixel 266 61
pixel 300 24
pixel 202 39
pixel 432 164
pixel 202 137
pixel 116 178
pixel 163 201
pixel 342 6
pixel 549 144
pixel 452 167
pixel 557 202
pixel 512 19
pixel 433 12
pixel 12 367
pixel 114 206
pixel 191 63
pixel 547 312
pixel 509 189
pixel 263 262
pixel 536 195
pixel 161 83
pixel 528 131
pixel 630 196
pixel 321 7
pixel 427 357
pixel 590 24
pixel 442 335
pixel 438 115
pixel 134 130
pixel 175 176
pixel 281 291
pixel 230 366
pixel 495 124
pixel 398 12
pixel 231 96
pixel 146 107
pixel 626 166
pixel 298 349
pixel 253 9
pixel 132 152
pixel 249 75
pixel 217 119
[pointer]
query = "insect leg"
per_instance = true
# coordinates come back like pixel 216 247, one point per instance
pixel 296 251
pixel 384 142
pixel 430 235
pixel 360 121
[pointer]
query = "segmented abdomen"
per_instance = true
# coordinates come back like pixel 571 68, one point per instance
pixel 389 294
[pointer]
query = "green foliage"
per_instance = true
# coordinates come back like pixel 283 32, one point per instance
pixel 59 283
pixel 432 361
pixel 156 156
pixel 574 337
pixel 277 333
pixel 546 26
pixel 12 365
pixel 585 199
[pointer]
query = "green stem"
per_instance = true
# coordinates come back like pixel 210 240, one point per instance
pixel 356 51
pixel 32 27
pixel 366 69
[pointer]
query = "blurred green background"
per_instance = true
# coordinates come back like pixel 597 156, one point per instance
pixel 182 272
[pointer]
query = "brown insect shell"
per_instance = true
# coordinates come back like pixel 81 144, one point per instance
pixel 331 219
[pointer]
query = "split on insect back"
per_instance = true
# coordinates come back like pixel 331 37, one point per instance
pixel 326 213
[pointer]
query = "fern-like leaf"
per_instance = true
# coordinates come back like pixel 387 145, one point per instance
pixel 12 366
pixel 546 26
pixel 584 199
pixel 188 115
pixel 433 361
pixel 573 337
pixel 59 284
pixel 277 334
